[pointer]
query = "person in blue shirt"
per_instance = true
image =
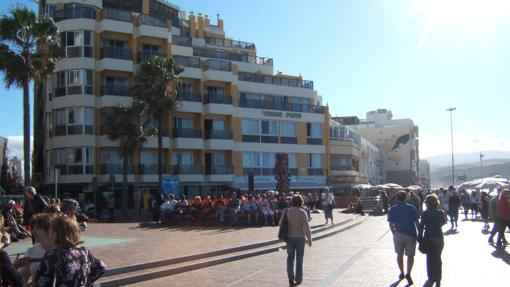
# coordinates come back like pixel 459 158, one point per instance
pixel 403 219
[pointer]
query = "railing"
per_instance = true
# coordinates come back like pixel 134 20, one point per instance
pixel 190 97
pixel 115 169
pixel 218 134
pixel 115 90
pixel 187 169
pixel 219 169
pixel 258 170
pixel 79 51
pixel 260 139
pixel 223 55
pixel 315 171
pixel 73 90
pixel 288 140
pixel 116 53
pixel 74 13
pixel 182 41
pixel 114 14
pixel 192 62
pixel 80 169
pixel 144 55
pixel 229 43
pixel 150 21
pixel 316 141
pixel 217 99
pixel 218 65
pixel 150 169
pixel 186 133
pixel 291 107
pixel 274 80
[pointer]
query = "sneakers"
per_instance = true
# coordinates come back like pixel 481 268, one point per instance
pixel 491 240
pixel 409 279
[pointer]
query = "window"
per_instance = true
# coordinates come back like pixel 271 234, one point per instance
pixel 151 48
pixel 88 116
pixel 183 158
pixel 59 117
pixel 259 159
pixel 314 130
pixel 61 79
pixel 297 100
pixel 183 123
pixel 59 157
pixel 113 43
pixel 218 125
pixel 215 91
pixel 149 158
pixel 293 159
pixel 218 159
pixel 315 160
pixel 269 128
pixel 288 129
pixel 110 157
pixel 50 10
pixel 251 127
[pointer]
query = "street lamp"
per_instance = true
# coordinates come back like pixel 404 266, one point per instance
pixel 451 131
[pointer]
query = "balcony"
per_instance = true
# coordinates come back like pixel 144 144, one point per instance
pixel 187 169
pixel 74 13
pixel 190 97
pixel 150 169
pixel 260 139
pixel 315 171
pixel 288 140
pixel 80 169
pixel 117 15
pixel 219 169
pixel 274 80
pixel 191 62
pixel 218 134
pixel 78 52
pixel 114 169
pixel 217 99
pixel 290 107
pixel 73 90
pixel 224 55
pixel 315 141
pixel 116 53
pixel 181 41
pixel 218 65
pixel 187 133
pixel 229 43
pixel 115 90
pixel 144 55
pixel 150 21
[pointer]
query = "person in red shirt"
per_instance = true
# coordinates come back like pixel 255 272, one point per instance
pixel 219 206
pixel 504 214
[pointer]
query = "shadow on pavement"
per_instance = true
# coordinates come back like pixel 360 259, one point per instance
pixel 451 232
pixel 501 254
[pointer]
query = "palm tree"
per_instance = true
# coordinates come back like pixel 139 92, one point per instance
pixel 156 83
pixel 29 50
pixel 123 124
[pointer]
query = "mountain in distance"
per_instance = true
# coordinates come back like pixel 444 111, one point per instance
pixel 489 157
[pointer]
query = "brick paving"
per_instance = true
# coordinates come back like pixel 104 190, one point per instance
pixel 362 256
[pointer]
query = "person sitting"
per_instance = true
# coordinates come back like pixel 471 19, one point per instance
pixel 359 206
pixel 250 209
pixel 168 209
pixel 219 207
pixel 206 209
pixel 71 208
pixel 196 204
pixel 233 207
pixel 265 209
pixel 67 264
pixel 283 203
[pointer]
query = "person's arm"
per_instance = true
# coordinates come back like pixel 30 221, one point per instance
pixel 97 268
pixel 306 228
pixel 392 227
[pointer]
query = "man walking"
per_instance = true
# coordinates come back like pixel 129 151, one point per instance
pixel 403 220
pixel 494 216
pixel 453 207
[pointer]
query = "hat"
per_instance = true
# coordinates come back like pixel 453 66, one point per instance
pixel 451 187
pixel 11 202
pixel 70 204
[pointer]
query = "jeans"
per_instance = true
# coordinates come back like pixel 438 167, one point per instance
pixel 234 213
pixel 434 263
pixel 495 229
pixel 503 224
pixel 328 212
pixel 454 215
pixel 295 250
pixel 221 213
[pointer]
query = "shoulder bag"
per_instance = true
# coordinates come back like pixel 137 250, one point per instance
pixel 283 233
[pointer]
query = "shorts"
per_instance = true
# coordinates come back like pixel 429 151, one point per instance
pixel 404 244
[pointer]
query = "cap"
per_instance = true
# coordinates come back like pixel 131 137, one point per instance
pixel 11 202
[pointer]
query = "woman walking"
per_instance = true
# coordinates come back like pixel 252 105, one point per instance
pixel 431 222
pixel 328 203
pixel 298 233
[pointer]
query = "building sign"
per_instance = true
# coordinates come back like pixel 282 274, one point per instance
pixel 282 114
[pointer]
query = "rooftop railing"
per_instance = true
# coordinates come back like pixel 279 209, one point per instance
pixel 229 43
pixel 290 107
pixel 275 80
pixel 224 55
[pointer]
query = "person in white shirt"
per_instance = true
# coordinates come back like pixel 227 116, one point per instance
pixel 328 202
pixel 168 208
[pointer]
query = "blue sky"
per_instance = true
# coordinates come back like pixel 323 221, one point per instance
pixel 416 58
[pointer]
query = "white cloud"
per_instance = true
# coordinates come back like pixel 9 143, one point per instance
pixel 15 146
pixel 462 143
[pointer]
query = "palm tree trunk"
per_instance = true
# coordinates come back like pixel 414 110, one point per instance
pixel 160 152
pixel 125 170
pixel 26 133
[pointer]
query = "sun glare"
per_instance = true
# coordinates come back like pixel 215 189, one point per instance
pixel 481 14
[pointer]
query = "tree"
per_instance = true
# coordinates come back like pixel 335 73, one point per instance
pixel 156 83
pixel 123 124
pixel 281 171
pixel 29 50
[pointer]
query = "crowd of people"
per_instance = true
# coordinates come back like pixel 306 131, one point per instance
pixel 265 208
pixel 56 257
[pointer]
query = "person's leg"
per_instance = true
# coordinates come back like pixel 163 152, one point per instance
pixel 495 228
pixel 400 263
pixel 300 252
pixel 326 215
pixel 501 232
pixel 291 252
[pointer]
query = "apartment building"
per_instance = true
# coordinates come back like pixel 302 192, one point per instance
pixel 236 112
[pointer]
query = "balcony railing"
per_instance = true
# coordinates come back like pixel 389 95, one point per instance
pixel 218 134
pixel 148 20
pixel 115 90
pixel 274 80
pixel 150 169
pixel 116 53
pixel 182 41
pixel 187 169
pixel 219 169
pixel 74 13
pixel 190 97
pixel 114 169
pixel 342 168
pixel 192 62
pixel 144 55
pixel 315 171
pixel 187 133
pixel 290 107
pixel 115 14
pixel 260 139
pixel 79 51
pixel 218 65
pixel 73 90
pixel 223 55
pixel 229 43
pixel 316 141
pixel 259 170
pixel 217 99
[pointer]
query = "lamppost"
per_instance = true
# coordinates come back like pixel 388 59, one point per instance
pixel 451 131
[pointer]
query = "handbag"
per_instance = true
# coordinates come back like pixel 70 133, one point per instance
pixel 423 245
pixel 283 233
